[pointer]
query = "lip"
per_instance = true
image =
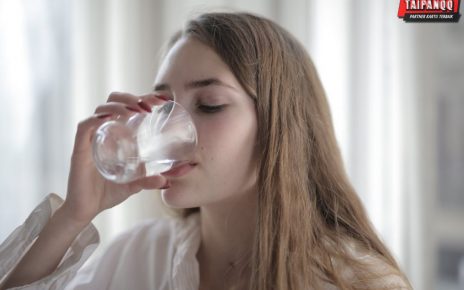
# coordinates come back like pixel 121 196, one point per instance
pixel 179 170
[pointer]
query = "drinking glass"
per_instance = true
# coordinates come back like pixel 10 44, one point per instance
pixel 144 144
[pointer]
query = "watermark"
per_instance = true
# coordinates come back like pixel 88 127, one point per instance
pixel 429 10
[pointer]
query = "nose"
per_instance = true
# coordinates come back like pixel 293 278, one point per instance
pixel 184 102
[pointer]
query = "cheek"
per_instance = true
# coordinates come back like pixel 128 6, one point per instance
pixel 226 144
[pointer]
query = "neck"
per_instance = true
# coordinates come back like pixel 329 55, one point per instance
pixel 227 231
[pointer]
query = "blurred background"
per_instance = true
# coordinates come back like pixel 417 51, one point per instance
pixel 396 92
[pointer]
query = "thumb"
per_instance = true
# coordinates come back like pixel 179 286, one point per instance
pixel 152 182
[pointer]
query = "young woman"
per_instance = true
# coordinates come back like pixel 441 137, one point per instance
pixel 264 204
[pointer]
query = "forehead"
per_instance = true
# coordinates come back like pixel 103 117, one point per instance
pixel 190 59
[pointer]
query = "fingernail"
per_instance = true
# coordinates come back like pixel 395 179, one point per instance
pixel 103 115
pixel 132 109
pixel 144 106
pixel 161 97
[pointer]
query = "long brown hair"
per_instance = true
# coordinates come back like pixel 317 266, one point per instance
pixel 311 225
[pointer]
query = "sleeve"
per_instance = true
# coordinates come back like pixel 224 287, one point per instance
pixel 19 241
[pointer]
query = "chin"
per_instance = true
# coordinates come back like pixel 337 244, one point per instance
pixel 177 199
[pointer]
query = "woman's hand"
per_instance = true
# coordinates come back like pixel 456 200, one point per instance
pixel 88 192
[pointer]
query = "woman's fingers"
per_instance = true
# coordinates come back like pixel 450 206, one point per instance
pixel 119 104
pixel 151 182
pixel 152 99
pixel 86 129
pixel 143 102
pixel 118 108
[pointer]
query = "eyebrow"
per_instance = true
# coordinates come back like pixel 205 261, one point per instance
pixel 196 84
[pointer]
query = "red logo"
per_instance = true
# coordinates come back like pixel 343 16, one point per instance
pixel 429 10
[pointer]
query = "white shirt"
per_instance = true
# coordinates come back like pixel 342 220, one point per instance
pixel 158 254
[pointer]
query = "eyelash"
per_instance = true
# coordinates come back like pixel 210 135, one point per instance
pixel 210 109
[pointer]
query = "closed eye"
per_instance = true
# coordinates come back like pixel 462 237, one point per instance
pixel 210 109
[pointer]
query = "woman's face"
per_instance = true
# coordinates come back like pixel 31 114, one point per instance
pixel 225 119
